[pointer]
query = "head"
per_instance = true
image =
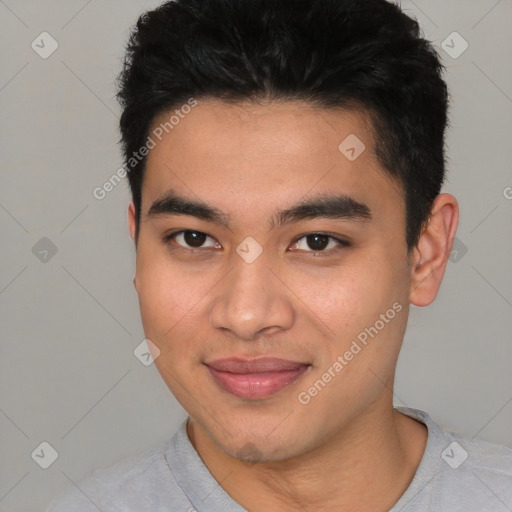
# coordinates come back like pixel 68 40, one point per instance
pixel 285 160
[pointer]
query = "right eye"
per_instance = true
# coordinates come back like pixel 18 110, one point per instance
pixel 189 239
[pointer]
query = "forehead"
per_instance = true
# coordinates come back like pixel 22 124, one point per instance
pixel 258 156
pixel 293 127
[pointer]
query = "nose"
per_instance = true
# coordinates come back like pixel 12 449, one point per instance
pixel 251 301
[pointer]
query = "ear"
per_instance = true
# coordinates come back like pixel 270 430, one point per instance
pixel 132 222
pixel 430 256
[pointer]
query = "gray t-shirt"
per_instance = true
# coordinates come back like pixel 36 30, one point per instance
pixel 456 474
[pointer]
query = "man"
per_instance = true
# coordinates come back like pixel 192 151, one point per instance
pixel 286 160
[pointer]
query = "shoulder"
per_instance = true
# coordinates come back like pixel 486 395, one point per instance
pixel 477 456
pixel 461 473
pixel 131 481
pixel 474 474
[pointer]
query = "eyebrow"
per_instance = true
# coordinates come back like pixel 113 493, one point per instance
pixel 339 206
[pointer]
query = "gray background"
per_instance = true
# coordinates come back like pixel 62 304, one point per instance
pixel 69 324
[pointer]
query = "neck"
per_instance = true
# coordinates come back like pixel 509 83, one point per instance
pixel 367 466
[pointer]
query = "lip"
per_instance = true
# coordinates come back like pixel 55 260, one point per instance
pixel 255 378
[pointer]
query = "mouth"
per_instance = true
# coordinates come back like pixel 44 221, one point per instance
pixel 255 378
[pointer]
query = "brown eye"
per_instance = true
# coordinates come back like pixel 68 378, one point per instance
pixel 319 242
pixel 194 238
pixel 189 239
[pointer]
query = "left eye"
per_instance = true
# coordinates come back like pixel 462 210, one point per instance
pixel 318 242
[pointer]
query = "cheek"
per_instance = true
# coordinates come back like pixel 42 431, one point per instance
pixel 173 302
pixel 348 298
pixel 157 302
pixel 366 304
pixel 162 292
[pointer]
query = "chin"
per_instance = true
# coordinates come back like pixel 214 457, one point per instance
pixel 258 441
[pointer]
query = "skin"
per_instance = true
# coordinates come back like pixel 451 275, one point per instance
pixel 250 160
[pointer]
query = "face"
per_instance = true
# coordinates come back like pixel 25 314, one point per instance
pixel 278 324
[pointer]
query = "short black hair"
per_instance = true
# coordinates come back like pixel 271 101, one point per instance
pixel 348 54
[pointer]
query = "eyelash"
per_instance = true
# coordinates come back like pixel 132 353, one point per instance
pixel 342 243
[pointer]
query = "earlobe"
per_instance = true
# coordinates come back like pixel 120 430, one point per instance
pixel 433 250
